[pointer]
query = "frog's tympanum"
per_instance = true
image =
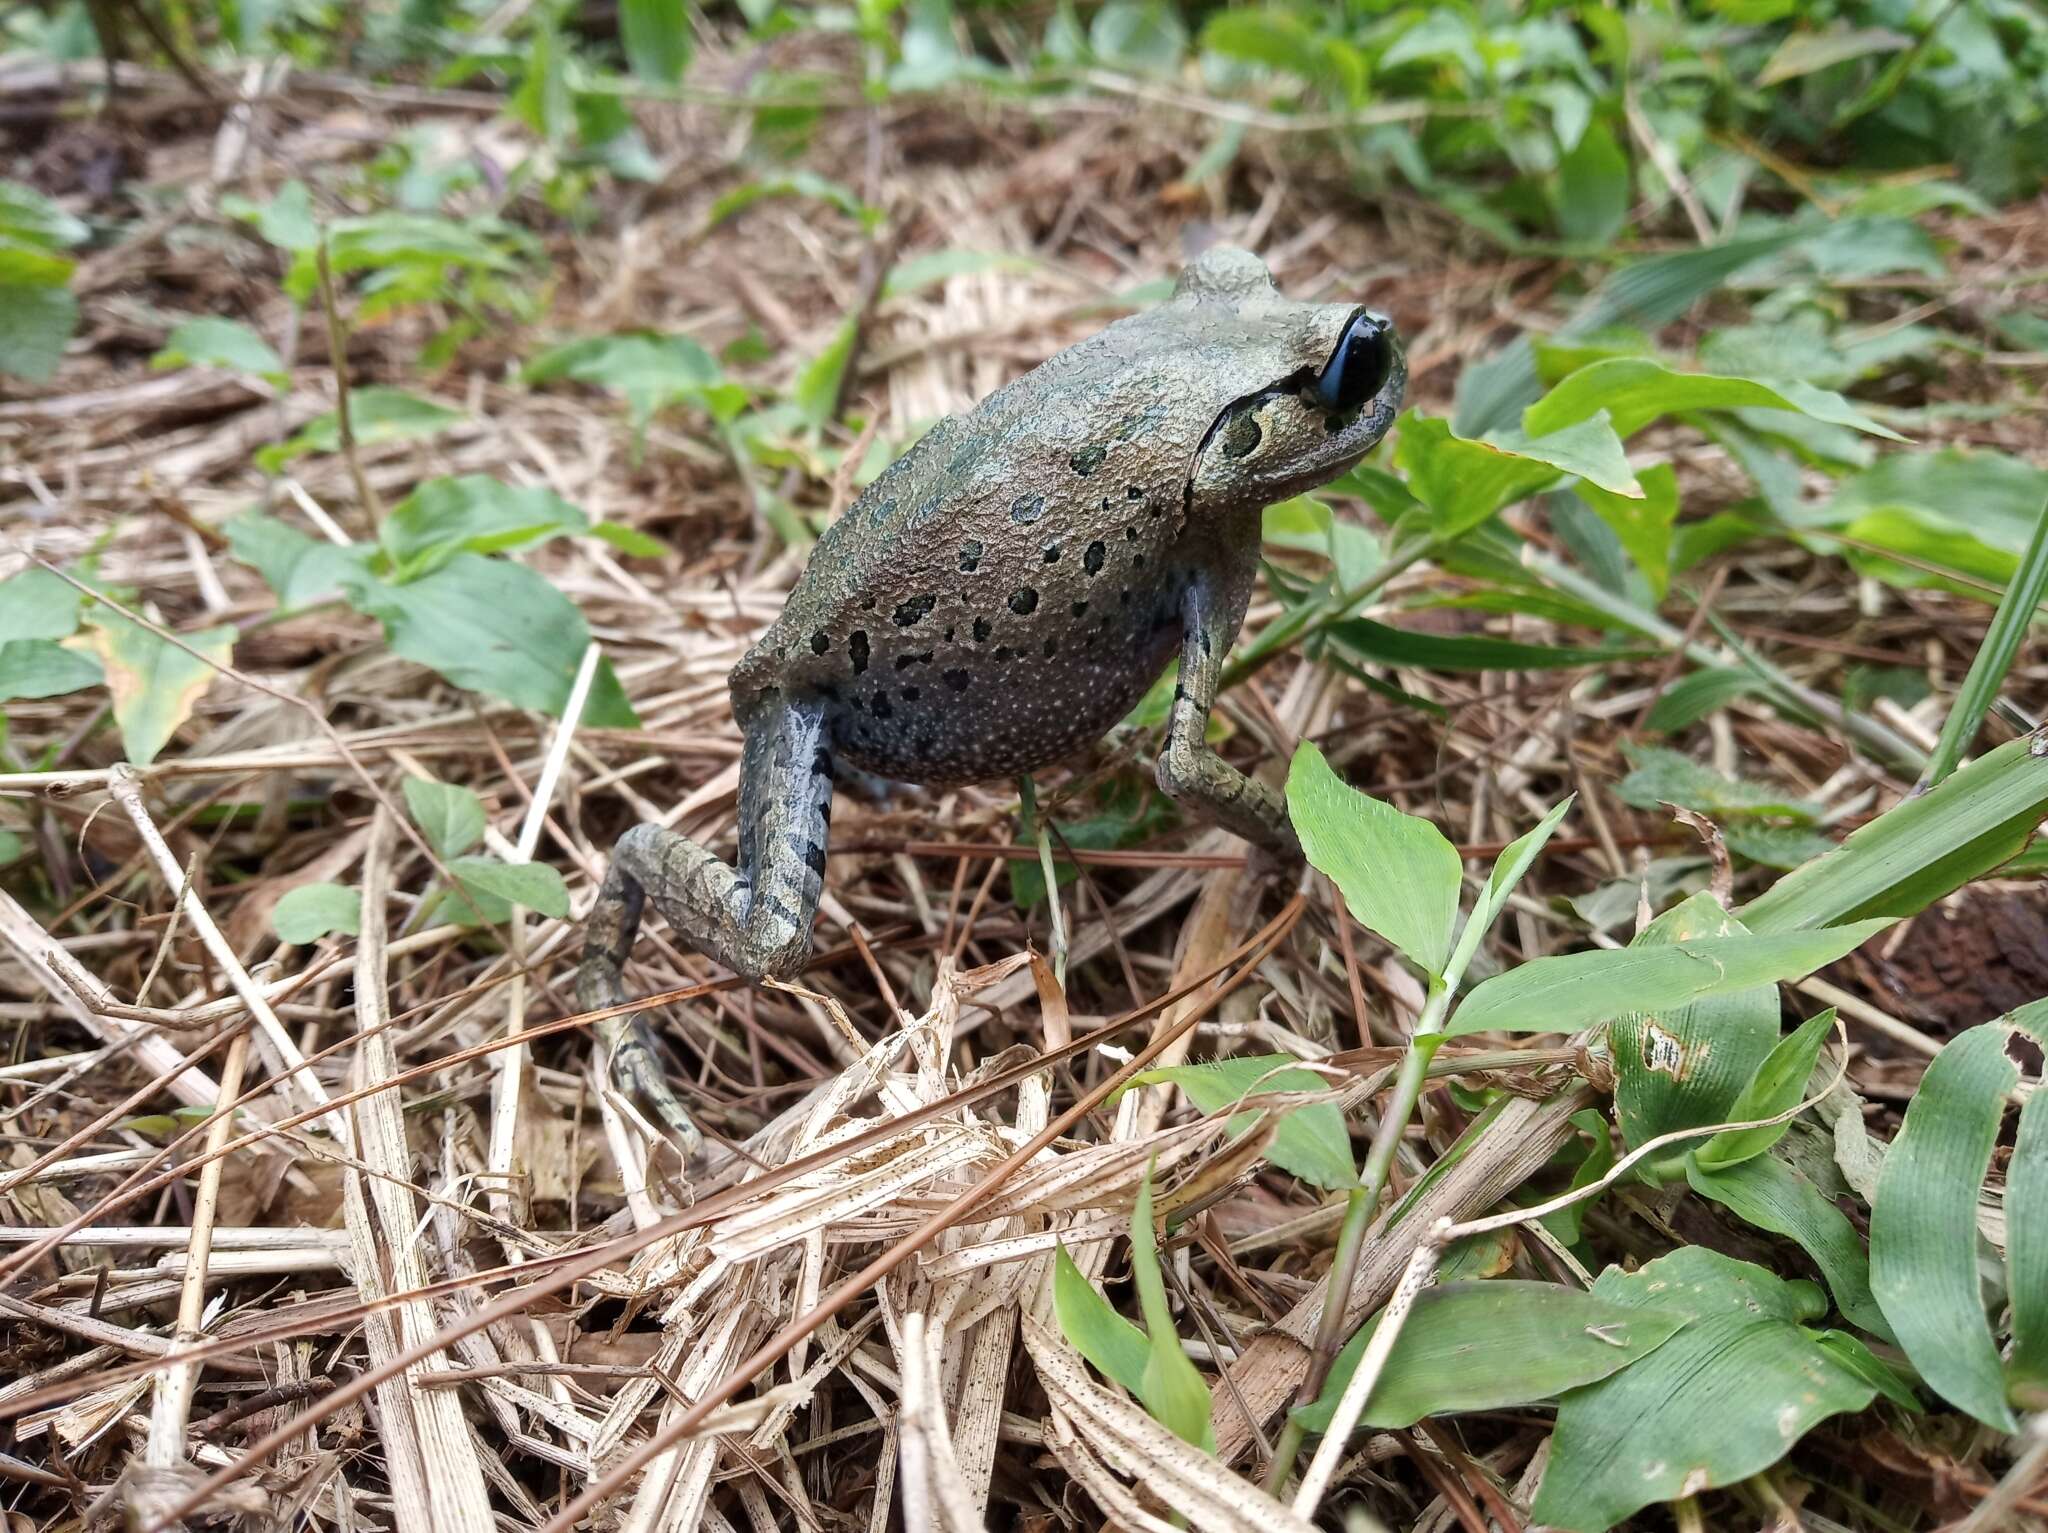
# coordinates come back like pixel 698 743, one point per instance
pixel 1008 590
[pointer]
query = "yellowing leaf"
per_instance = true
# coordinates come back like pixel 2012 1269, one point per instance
pixel 156 684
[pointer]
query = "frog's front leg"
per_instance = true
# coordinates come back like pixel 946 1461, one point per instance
pixel 1195 777
pixel 755 918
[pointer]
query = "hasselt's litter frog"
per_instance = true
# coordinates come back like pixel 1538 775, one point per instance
pixel 1007 591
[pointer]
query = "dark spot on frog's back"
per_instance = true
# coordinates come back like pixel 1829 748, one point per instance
pixel 970 556
pixel 1088 460
pixel 1023 601
pixel 820 642
pixel 857 648
pixel 1026 509
pixel 956 679
pixel 915 611
pixel 982 630
pixel 1092 560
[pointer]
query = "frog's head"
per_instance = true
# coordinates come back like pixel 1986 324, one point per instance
pixel 1311 387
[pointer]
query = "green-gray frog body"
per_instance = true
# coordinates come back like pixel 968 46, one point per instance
pixel 1009 589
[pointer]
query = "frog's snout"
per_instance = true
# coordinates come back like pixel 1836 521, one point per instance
pixel 1359 366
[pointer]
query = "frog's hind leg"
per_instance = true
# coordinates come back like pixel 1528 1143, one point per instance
pixel 755 918
pixel 1194 776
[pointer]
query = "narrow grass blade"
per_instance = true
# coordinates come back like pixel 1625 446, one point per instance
pixel 1995 655
pixel 1779 1083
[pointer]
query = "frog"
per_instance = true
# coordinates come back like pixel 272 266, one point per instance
pixel 1002 595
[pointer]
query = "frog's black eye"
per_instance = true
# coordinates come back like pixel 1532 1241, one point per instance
pixel 1358 368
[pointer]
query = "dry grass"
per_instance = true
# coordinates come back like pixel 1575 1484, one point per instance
pixel 421 1147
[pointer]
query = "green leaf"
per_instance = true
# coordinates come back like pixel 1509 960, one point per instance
pixel 1507 872
pixel 36 322
pixel 376 414
pixel 1567 991
pixel 301 570
pixel 1921 849
pixel 1854 1354
pixel 311 911
pixel 1462 482
pixel 36 604
pixel 1971 512
pixel 476 512
pixel 1482 1346
pixel 532 884
pixel 815 392
pixel 1923 1221
pixel 1775 1197
pixel 28 216
pixel 1143 35
pixel 630 541
pixel 1642 522
pixel 1730 1394
pixel 1311 1141
pixel 1682 1066
pixel 452 817
pixel 1399 876
pixel 227 344
pixel 1593 192
pixel 649 372
pixel 1117 1348
pixel 286 221
pixel 797 183
pixel 1691 698
pixel 1779 1084
pixel 1994 658
pixel 155 683
pixel 1171 1388
pixel 931 267
pixel 495 627
pixel 656 37
pixel 44 668
pixel 1382 645
pixel 1804 53
pixel 1637 390
pixel 1662 776
pixel 2026 1255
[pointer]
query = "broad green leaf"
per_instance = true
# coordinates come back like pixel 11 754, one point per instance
pixel 532 884
pixel 630 541
pixel 376 414
pixel 476 512
pixel 656 37
pixel 227 344
pixel 36 604
pixel 1923 1221
pixel 1803 53
pixel 1508 869
pixel 301 570
pixel 1572 990
pixel 451 816
pixel 495 627
pixel 1587 449
pixel 31 218
pixel 1637 390
pixel 1775 846
pixel 1730 1394
pixel 1773 1196
pixel 1171 1388
pixel 1682 1066
pixel 36 322
pixel 649 372
pixel 1642 522
pixel 155 683
pixel 1691 698
pixel 1142 35
pixel 1779 1084
pixel 816 390
pixel 1919 850
pixel 286 221
pixel 2026 1254
pixel 1398 874
pixel 1482 1346
pixel 1593 192
pixel 44 668
pixel 311 911
pixel 1660 776
pixel 1463 652
pixel 1972 512
pixel 1117 1348
pixel 1311 1141
pixel 1461 481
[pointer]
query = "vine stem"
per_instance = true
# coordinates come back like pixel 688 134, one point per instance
pixel 337 352
pixel 1358 1211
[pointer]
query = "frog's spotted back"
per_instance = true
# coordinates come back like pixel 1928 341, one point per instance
pixel 1008 589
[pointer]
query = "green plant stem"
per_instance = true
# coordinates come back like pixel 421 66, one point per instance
pixel 1994 656
pixel 1358 1211
pixel 1310 619
pixel 337 354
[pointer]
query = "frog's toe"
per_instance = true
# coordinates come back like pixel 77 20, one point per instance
pixel 1274 864
pixel 636 1071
